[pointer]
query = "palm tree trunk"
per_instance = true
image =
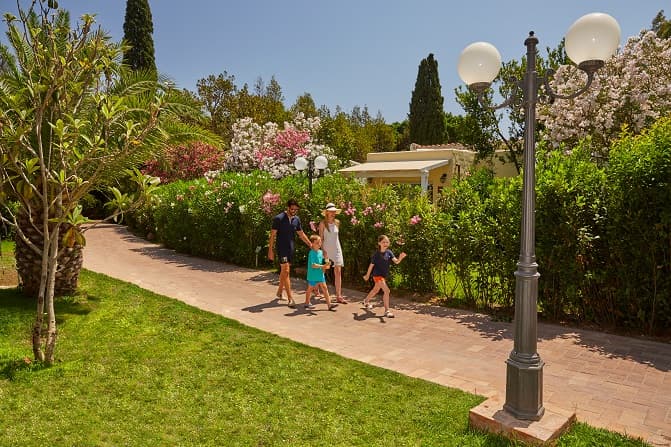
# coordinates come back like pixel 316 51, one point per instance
pixel 29 263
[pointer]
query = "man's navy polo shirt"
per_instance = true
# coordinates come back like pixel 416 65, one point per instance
pixel 286 231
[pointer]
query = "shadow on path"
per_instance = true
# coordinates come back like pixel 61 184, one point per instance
pixel 655 354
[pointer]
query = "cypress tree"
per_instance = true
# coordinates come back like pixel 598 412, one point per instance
pixel 426 118
pixel 138 29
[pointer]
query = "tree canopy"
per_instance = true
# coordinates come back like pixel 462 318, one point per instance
pixel 137 33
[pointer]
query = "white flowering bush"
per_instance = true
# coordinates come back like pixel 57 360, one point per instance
pixel 630 92
pixel 271 149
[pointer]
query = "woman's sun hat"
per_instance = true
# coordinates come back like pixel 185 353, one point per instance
pixel 330 207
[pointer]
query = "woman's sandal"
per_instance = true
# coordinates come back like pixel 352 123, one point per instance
pixel 342 300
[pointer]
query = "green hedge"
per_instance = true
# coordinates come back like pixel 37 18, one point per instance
pixel 603 233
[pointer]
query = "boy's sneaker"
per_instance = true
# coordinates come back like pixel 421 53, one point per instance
pixel 367 305
pixel 309 306
pixel 389 314
pixel 292 304
pixel 333 306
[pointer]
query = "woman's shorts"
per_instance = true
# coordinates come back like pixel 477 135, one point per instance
pixel 378 278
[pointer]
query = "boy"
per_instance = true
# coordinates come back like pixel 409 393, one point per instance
pixel 316 266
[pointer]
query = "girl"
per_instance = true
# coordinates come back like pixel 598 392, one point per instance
pixel 379 267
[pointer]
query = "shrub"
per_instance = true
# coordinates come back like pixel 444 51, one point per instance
pixel 185 162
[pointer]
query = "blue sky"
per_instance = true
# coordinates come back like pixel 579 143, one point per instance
pixel 348 53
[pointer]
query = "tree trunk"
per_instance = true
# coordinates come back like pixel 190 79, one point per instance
pixel 29 263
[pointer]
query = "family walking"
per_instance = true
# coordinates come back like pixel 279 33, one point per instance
pixel 325 253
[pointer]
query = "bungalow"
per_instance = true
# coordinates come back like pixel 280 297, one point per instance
pixel 432 167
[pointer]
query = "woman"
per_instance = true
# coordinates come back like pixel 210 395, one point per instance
pixel 328 231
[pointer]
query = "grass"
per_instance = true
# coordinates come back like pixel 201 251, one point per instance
pixel 8 274
pixel 139 369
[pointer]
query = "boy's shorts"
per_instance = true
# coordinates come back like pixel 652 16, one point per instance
pixel 378 278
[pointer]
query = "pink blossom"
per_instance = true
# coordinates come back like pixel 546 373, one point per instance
pixel 179 197
pixel 414 220
pixel 354 221
pixel 378 225
pixel 367 211
pixel 269 201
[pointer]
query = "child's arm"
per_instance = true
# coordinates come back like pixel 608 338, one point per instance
pixel 367 275
pixel 400 258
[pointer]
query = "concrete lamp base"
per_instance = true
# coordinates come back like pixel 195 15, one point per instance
pixel 489 416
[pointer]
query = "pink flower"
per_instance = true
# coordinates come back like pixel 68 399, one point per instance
pixel 269 201
pixel 179 197
pixel 354 221
pixel 414 220
pixel 378 225
pixel 367 211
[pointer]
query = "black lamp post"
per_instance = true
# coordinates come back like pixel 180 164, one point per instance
pixel 314 167
pixel 590 40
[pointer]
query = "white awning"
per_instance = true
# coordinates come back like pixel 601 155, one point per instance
pixel 414 168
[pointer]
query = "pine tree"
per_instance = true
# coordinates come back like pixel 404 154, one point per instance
pixel 138 29
pixel 661 26
pixel 426 117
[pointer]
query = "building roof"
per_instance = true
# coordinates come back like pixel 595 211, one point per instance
pixel 408 168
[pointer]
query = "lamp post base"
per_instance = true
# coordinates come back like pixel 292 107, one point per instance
pixel 490 417
pixel 524 389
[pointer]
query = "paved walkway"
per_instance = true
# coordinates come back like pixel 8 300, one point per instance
pixel 614 382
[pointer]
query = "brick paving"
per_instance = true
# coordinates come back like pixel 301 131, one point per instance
pixel 619 383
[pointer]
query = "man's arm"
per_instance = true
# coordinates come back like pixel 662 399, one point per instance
pixel 271 244
pixel 304 238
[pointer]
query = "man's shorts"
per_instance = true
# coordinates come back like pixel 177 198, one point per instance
pixel 378 278
pixel 285 257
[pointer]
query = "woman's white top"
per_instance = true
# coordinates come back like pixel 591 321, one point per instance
pixel 331 244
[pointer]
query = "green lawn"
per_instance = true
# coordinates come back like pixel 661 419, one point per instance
pixel 138 369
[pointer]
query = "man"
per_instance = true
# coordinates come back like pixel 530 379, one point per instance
pixel 284 228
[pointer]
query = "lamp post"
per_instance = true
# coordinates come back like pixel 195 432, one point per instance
pixel 313 166
pixel 589 41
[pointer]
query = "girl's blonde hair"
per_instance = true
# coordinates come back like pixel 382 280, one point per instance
pixel 326 227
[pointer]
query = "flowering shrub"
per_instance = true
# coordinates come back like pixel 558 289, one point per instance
pixel 632 90
pixel 185 162
pixel 272 149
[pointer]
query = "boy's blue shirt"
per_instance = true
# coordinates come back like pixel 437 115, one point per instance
pixel 315 257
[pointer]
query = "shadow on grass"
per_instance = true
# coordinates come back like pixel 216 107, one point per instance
pixel 10 368
pixel 18 310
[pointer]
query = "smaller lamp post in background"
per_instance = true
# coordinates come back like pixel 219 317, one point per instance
pixel 314 167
